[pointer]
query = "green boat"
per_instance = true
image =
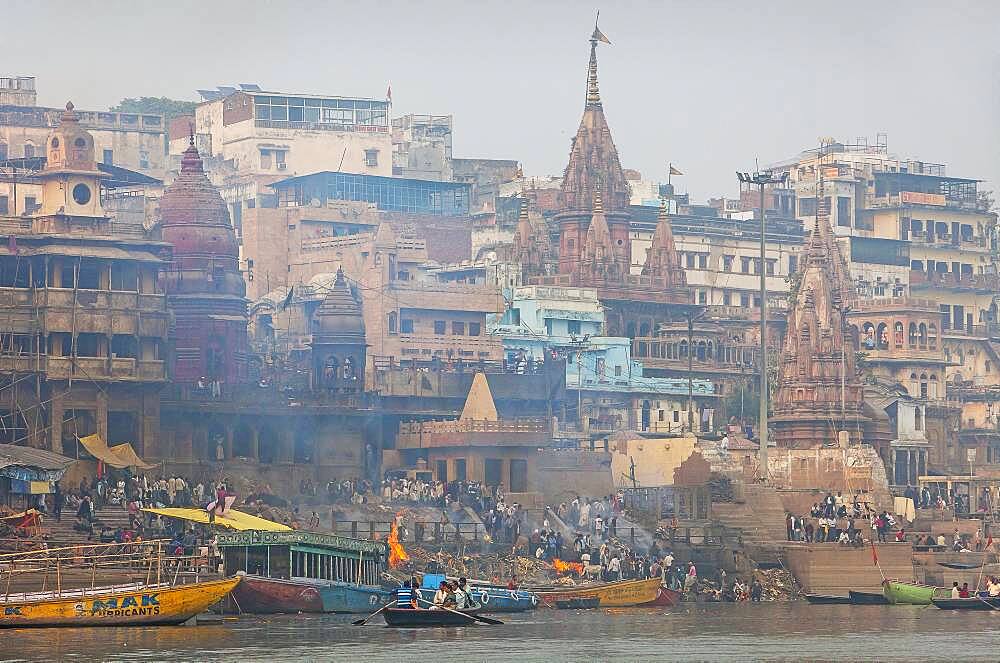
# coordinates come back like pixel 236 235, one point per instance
pixel 907 593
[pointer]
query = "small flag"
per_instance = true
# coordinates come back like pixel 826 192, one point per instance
pixel 674 171
pixel 388 93
pixel 599 36
pixel 287 301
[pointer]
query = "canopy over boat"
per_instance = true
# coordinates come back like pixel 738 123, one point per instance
pixel 231 519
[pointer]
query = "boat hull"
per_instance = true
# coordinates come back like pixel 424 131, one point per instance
pixel 626 594
pixel 826 599
pixel 868 598
pixel 122 606
pixel 665 598
pixel 906 593
pixel 494 599
pixel 346 598
pixel 990 603
pixel 267 596
pixel 410 618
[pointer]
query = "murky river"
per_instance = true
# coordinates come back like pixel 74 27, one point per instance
pixel 770 631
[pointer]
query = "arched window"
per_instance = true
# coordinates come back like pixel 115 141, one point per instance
pixel 702 350
pixel 330 368
pixel 709 349
pixel 923 385
pixel 913 335
pixel 897 332
pixel 932 333
pixel 947 355
pixel 683 350
pixel 923 335
pixel 932 386
pixel 868 335
pixel 882 337
pixel 392 322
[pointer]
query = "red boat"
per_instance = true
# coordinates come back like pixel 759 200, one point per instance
pixel 260 595
pixel 665 598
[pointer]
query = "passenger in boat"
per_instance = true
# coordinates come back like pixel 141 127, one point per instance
pixel 955 591
pixel 463 597
pixel 442 595
pixel 964 592
pixel 406 594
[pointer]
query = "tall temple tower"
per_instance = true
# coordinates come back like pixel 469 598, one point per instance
pixel 204 286
pixel 593 164
pixel 819 393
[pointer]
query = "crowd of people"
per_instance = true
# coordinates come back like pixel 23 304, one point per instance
pixel 835 520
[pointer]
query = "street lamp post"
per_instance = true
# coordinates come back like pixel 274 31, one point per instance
pixel 760 179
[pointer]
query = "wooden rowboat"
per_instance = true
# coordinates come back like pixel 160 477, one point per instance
pixel 665 598
pixel 868 598
pixel 579 603
pixel 419 618
pixel 827 599
pixel 625 594
pixel 136 604
pixel 907 593
pixel 978 603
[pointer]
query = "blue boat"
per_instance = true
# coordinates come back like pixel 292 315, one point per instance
pixel 492 598
pixel 351 598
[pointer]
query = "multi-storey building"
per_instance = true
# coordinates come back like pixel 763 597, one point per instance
pixel 421 147
pixel 129 140
pixel 86 321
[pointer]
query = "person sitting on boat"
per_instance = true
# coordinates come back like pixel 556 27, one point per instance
pixel 964 592
pixel 463 597
pixel 442 595
pixel 406 595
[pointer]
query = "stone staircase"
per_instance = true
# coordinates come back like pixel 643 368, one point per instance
pixel 760 520
pixel 61 532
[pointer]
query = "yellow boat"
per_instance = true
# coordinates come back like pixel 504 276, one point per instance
pixel 625 594
pixel 136 604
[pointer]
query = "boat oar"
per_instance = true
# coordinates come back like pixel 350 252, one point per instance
pixel 484 620
pixel 362 622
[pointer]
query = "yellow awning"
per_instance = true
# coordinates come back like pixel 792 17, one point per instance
pixel 232 519
pixel 118 456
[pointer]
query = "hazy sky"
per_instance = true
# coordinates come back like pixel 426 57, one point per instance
pixel 709 85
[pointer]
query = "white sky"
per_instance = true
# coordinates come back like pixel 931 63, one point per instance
pixel 710 85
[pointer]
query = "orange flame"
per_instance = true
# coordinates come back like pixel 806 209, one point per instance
pixel 397 554
pixel 567 567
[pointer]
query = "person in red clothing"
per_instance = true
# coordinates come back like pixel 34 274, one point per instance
pixel 964 592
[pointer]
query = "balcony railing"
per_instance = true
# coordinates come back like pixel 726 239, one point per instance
pixel 985 282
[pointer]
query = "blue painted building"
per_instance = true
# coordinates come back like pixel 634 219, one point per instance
pixel 605 383
pixel 390 194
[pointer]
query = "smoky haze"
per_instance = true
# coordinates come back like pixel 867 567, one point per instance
pixel 708 85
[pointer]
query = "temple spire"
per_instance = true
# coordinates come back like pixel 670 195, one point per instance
pixel 593 89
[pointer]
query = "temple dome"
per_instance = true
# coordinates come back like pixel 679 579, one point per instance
pixel 339 319
pixel 193 214
pixel 70 146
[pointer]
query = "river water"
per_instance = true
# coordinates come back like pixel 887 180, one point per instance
pixel 767 631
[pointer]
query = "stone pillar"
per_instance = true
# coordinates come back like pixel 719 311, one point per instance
pixel 101 414
pixel 283 454
pixel 56 413
pixel 892 465
pixel 254 443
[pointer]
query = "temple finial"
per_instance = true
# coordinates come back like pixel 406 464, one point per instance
pixel 593 90
pixel 662 216
pixel 598 203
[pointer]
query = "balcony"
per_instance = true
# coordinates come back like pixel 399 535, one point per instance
pixel 455 433
pixel 99 368
pixel 984 283
pixel 321 126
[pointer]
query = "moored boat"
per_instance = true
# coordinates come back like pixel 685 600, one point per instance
pixel 136 604
pixel 975 603
pixel 624 594
pixel 907 593
pixel 290 572
pixel 419 618
pixel 580 603
pixel 665 597
pixel 827 599
pixel 867 598
pixel 260 595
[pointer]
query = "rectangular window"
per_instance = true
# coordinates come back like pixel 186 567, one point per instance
pixel 30 204
pixel 844 211
pixel 459 469
pixel 727 263
pixel 458 328
pixel 745 300
pixel 371 158
pixel 744 265
pixel 958 319
pixel 3 151
pixel 265 159
pixel 702 261
pixel 945 316
pixel 108 157
pixel 793 264
pixel 770 267
pixel 689 260
pixel 677 414
pixel 279 159
pixel 439 327
pixel 727 298
pixel 143 159
pixel 406 326
pixel 474 329
pixel 4 205
pixel 807 206
pixel 573 326
pixel 702 297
